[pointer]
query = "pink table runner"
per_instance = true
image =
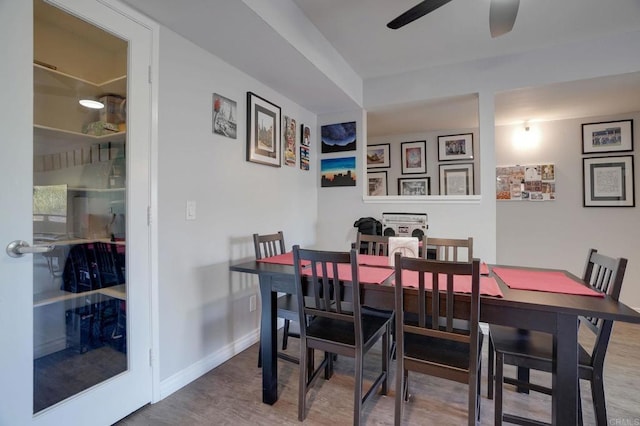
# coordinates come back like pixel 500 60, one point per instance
pixel 549 281
pixel 368 275
pixel 281 259
pixel 373 260
pixel 461 283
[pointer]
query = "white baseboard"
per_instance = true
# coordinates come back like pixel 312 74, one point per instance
pixel 191 373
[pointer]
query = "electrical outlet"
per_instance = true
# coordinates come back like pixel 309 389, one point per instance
pixel 252 303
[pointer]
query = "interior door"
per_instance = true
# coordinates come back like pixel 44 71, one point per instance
pixel 75 277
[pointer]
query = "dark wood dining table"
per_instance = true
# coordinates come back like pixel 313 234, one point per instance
pixel 554 313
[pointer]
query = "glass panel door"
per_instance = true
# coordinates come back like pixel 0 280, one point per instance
pixel 79 206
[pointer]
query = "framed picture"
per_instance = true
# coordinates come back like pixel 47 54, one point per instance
pixel 289 141
pixel 608 181
pixel 610 136
pixel 378 156
pixel 414 186
pixel 263 131
pixel 414 157
pixel 305 135
pixel 456 179
pixel 224 116
pixel 338 171
pixel 304 158
pixel 455 147
pixel 338 137
pixel 377 182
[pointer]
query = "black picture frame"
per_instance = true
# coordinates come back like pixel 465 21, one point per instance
pixel 263 131
pixel 455 147
pixel 414 187
pixel 608 181
pixel 377 184
pixel 379 156
pixel 414 157
pixel 607 136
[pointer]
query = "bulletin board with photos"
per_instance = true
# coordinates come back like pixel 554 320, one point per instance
pixel 533 182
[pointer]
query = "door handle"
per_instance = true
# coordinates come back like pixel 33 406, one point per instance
pixel 18 248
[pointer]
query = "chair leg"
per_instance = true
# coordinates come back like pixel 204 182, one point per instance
pixel 399 392
pixel 357 392
pixel 303 380
pixel 490 366
pixel 405 390
pixel 385 362
pixel 599 402
pixel 285 334
pixel 499 381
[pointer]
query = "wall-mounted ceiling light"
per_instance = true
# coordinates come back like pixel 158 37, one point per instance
pixel 526 136
pixel 91 103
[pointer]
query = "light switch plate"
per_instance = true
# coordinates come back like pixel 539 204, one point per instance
pixel 191 210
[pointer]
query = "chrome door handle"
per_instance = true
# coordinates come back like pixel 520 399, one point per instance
pixel 18 248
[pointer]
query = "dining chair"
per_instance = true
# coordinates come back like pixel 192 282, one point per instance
pixel 452 249
pixel 268 245
pixel 430 343
pixel 534 350
pixel 377 245
pixel 336 323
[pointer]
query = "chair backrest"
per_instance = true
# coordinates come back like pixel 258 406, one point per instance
pixel 435 315
pixel 605 274
pixel 451 249
pixel 268 245
pixel 328 297
pixel 377 245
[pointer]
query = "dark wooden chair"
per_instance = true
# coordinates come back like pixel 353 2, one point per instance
pixel 268 245
pixel 336 324
pixel 377 245
pixel 452 249
pixel 534 350
pixel 431 344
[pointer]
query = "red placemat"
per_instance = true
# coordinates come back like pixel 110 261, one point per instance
pixel 281 259
pixel 461 283
pixel 366 274
pixel 549 281
pixel 373 260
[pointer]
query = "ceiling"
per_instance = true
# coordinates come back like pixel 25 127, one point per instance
pixel 456 32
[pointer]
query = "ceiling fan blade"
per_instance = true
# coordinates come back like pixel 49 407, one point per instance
pixel 417 11
pixel 502 16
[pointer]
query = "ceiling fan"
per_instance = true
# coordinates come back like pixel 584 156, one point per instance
pixel 502 14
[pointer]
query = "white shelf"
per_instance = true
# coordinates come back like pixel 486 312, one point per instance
pixel 55 296
pixel 51 135
pixel 96 190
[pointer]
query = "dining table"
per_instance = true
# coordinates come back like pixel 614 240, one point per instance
pixel 531 309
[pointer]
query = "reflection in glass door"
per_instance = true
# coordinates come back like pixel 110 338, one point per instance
pixel 80 288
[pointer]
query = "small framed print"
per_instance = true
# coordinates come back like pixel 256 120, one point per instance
pixel 455 147
pixel 609 136
pixel 224 116
pixel 414 157
pixel 456 179
pixel 608 181
pixel 414 186
pixel 378 156
pixel 377 182
pixel 263 131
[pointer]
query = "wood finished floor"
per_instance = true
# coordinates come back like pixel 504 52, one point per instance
pixel 231 394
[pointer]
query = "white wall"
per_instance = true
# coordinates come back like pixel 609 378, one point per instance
pixel 204 309
pixel 559 233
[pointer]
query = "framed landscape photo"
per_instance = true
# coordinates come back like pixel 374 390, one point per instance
pixel 456 179
pixel 455 147
pixel 263 131
pixel 608 181
pixel 377 182
pixel 414 186
pixel 609 136
pixel 378 156
pixel 414 157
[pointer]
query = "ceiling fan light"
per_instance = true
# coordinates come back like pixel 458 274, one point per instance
pixel 91 103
